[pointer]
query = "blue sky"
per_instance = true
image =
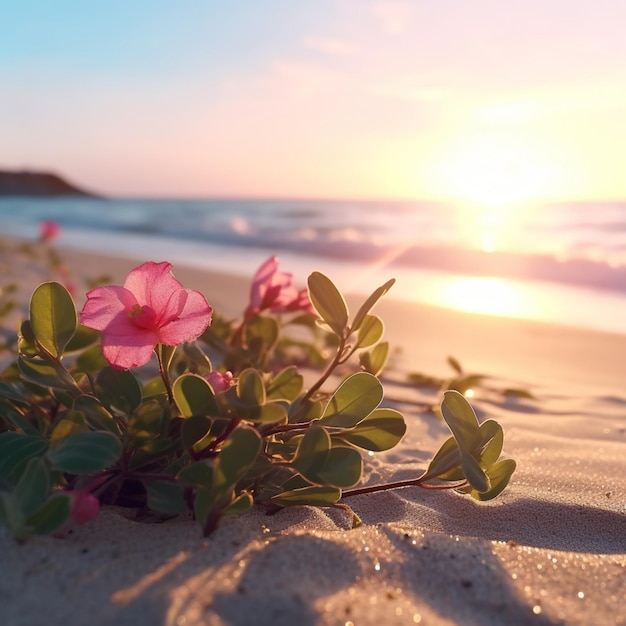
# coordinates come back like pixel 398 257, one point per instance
pixel 492 102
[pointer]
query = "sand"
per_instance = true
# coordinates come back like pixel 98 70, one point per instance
pixel 550 550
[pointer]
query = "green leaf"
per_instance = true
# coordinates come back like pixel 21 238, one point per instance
pixel 474 473
pixel 240 504
pixel 250 388
pixel 194 429
pixel 119 389
pixel 16 448
pixel 238 453
pixel 147 420
pixel 18 421
pixel 95 414
pixel 312 452
pixel 381 430
pixel 343 468
pixel 261 332
pixel 193 396
pixel 370 302
pixel 7 392
pixel 353 401
pixel 446 464
pixel 198 474
pixel 499 475
pixel 27 345
pixel 47 374
pixel 375 360
pixel 33 487
pixel 52 515
pixel 91 360
pixel 83 338
pixel 53 317
pixel 370 331
pixel 492 440
pixel 72 422
pixel 269 413
pixel 314 496
pixel 461 419
pixel 328 302
pixel 286 385
pixel 86 453
pixel 165 497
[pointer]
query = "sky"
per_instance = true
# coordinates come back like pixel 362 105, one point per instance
pixel 479 100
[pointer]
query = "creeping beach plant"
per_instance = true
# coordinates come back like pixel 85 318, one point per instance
pixel 225 422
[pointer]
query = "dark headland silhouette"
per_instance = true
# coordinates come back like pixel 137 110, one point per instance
pixel 39 184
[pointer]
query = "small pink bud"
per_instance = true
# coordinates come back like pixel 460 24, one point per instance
pixel 220 382
pixel 85 507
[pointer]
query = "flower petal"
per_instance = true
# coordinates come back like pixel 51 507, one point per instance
pixel 104 305
pixel 125 345
pixel 261 281
pixel 192 321
pixel 154 285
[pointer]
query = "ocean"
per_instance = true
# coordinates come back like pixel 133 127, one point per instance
pixel 561 263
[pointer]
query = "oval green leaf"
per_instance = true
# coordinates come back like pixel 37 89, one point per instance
pixel 312 452
pixel 52 515
pixel 314 496
pixel 353 401
pixel 53 317
pixel 250 388
pixel 16 448
pixel 119 389
pixel 370 331
pixel 86 453
pixel 193 396
pixel 328 302
pixel 381 430
pixel 375 359
pixel 499 475
pixel 238 453
pixel 286 385
pixel 343 469
pixel 367 306
pixel 461 419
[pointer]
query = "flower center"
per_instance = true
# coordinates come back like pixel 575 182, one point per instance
pixel 143 316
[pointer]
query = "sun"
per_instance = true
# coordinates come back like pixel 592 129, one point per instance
pixel 493 180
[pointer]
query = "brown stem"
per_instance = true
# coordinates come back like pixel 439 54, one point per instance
pixel 164 375
pixel 413 482
pixel 329 370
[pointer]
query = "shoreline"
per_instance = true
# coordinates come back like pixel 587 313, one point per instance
pixel 550 550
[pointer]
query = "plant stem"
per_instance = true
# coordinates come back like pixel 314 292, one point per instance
pixel 413 482
pixel 329 370
pixel 164 375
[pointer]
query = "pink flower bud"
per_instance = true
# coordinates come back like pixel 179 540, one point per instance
pixel 220 382
pixel 85 507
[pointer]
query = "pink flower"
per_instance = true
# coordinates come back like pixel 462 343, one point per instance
pixel 48 230
pixel 275 291
pixel 85 506
pixel 151 308
pixel 220 382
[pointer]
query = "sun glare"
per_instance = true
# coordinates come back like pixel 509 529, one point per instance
pixel 494 180
pixel 494 172
pixel 490 296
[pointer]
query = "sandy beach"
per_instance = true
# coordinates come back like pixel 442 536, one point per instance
pixel 550 550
